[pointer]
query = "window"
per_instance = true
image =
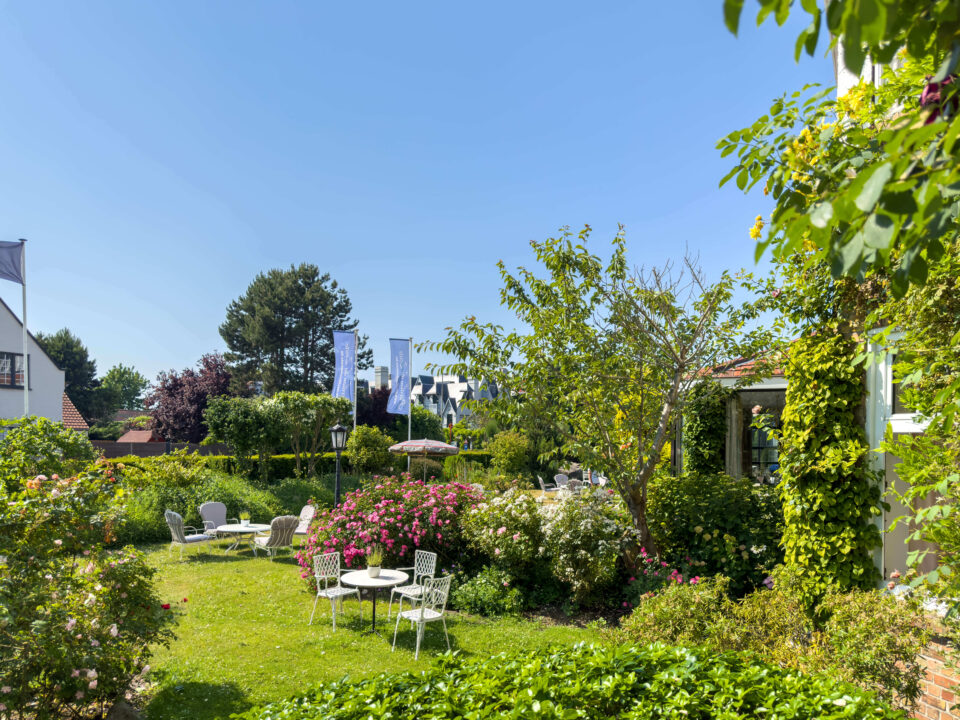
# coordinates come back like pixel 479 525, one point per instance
pixel 764 454
pixel 11 370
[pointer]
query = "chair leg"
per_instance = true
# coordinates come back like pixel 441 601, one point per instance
pixel 395 628
pixel 314 609
pixel 333 612
pixel 390 606
pixel 420 628
pixel 445 632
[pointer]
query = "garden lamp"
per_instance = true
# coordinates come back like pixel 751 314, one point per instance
pixel 338 437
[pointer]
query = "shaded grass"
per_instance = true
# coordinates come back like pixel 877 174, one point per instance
pixel 243 639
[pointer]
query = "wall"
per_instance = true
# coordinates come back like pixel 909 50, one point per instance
pixel 939 688
pixel 116 449
pixel 46 380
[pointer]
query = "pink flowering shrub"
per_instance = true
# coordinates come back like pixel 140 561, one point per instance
pixel 399 515
pixel 76 619
pixel 651 575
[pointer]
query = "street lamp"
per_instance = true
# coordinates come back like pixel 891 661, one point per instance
pixel 338 437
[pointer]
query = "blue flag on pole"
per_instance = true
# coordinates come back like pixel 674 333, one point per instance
pixel 345 376
pixel 399 402
pixel 11 261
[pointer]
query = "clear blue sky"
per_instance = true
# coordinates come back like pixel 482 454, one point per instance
pixel 157 156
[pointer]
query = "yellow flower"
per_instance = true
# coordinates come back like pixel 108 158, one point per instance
pixel 757 230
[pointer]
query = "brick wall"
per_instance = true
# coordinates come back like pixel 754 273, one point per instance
pixel 939 700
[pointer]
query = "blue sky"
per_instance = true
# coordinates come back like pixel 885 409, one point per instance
pixel 158 156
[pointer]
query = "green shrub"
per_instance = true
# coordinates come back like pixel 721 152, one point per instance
pixel 481 457
pixel 490 592
pixel 420 466
pixel 76 620
pixel 369 449
pixel 511 453
pixel 507 530
pixel 35 445
pixel 107 430
pixel 293 494
pixel 868 639
pixel 587 682
pixel 716 524
pixel 705 428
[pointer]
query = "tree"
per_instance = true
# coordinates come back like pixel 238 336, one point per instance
pixel 179 399
pixel 126 385
pixel 308 419
pixel 80 371
pixel 423 424
pixel 279 330
pixel 250 426
pixel 372 408
pixel 608 355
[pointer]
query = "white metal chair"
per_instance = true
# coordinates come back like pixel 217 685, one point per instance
pixel 547 487
pixel 575 486
pixel 561 480
pixel 325 568
pixel 424 566
pixel 281 536
pixel 307 513
pixel 432 606
pixel 214 514
pixel 179 536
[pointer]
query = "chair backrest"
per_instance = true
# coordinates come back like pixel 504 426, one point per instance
pixel 326 566
pixel 561 480
pixel 543 485
pixel 424 563
pixel 575 485
pixel 435 592
pixel 214 513
pixel 175 523
pixel 307 513
pixel 281 531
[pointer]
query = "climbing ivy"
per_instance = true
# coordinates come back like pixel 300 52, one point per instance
pixel 829 494
pixel 705 428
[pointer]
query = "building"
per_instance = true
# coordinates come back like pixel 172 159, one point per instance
pixel 444 395
pixel 46 379
pixel 381 377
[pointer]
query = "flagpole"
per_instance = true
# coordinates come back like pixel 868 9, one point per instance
pixel 406 388
pixel 356 363
pixel 26 364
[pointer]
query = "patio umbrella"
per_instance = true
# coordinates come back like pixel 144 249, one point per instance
pixel 424 447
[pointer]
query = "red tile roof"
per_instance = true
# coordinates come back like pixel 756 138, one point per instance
pixel 740 368
pixel 140 436
pixel 71 416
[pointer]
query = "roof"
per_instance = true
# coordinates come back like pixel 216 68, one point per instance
pixel 140 436
pixel 30 334
pixel 71 416
pixel 739 368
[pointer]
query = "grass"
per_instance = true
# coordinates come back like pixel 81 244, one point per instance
pixel 243 639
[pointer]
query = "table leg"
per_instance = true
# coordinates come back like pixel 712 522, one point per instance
pixel 373 621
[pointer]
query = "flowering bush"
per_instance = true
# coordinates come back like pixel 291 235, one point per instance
pixel 585 535
pixel 76 619
pixel 507 530
pixel 36 445
pixel 397 513
pixel 652 574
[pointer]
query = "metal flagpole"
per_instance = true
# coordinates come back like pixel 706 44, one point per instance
pixel 409 406
pixel 356 362
pixel 26 364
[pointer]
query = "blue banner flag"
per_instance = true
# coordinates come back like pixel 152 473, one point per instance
pixel 345 376
pixel 11 261
pixel 399 402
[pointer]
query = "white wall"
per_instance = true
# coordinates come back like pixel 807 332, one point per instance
pixel 46 380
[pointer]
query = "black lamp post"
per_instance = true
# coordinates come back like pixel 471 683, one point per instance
pixel 338 436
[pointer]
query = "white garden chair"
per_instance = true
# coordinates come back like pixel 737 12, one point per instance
pixel 575 486
pixel 424 566
pixel 547 487
pixel 281 536
pixel 326 567
pixel 307 513
pixel 431 606
pixel 561 480
pixel 184 535
pixel 214 514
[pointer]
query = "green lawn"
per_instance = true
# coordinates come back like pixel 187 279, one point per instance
pixel 243 639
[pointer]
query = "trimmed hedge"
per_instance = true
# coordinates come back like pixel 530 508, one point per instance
pixel 586 682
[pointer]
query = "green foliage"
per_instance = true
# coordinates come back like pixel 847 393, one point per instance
pixel 511 453
pixel 705 428
pixel 588 682
pixel 601 368
pixel 279 331
pixel 80 371
pixel 107 430
pixel 36 445
pixel 76 620
pixel 126 386
pixel 507 530
pixel 490 592
pixel 369 449
pixel 867 639
pixel 829 495
pixel 718 525
pixel 425 467
pixel 424 424
pixel 250 426
pixel 307 421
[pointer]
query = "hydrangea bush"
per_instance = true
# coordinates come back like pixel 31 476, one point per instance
pixel 76 619
pixel 398 514
pixel 508 530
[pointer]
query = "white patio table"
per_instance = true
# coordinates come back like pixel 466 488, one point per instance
pixel 386 579
pixel 240 530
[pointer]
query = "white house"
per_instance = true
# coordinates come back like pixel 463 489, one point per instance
pixel 47 398
pixel 444 395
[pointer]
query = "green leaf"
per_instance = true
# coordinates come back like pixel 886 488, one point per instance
pixel 873 187
pixel 731 14
pixel 878 231
pixel 948 65
pixel 899 203
pixel 821 214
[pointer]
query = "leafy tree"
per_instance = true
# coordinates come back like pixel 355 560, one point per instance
pixel 423 424
pixel 280 330
pixel 250 426
pixel 308 419
pixel 512 453
pixel 126 385
pixel 369 449
pixel 79 369
pixel 372 408
pixel 179 399
pixel 608 355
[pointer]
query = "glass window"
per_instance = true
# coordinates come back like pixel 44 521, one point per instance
pixel 11 369
pixel 6 376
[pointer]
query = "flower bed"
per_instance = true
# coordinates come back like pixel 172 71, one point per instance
pixel 398 514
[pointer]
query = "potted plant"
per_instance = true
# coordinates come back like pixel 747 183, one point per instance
pixel 374 558
pixel 245 518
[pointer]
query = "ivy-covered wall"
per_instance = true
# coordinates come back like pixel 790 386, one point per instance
pixel 705 429
pixel 829 494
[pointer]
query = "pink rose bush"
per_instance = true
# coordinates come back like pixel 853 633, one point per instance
pixel 398 514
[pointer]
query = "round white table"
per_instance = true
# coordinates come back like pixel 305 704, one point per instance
pixel 386 579
pixel 239 531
